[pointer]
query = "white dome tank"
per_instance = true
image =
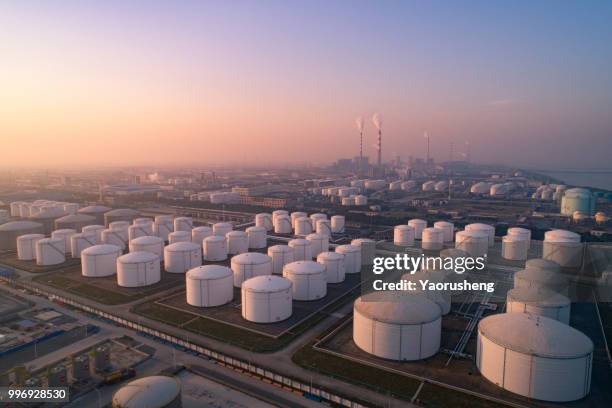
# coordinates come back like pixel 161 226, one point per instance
pixel 295 215
pixel 249 265
pixel 577 199
pixel 302 249
pixel 448 229
pixel 100 260
pixel 266 299
pixel 475 243
pixel 80 241
pixel 50 251
pixel 541 279
pixel 352 257
pixel 432 239
pixel 276 213
pixel 539 301
pixel 521 232
pixel 114 237
pixel 334 266
pixel 542 264
pixel 183 224
pixel 96 230
pixel 182 256
pixel 26 246
pixel 440 297
pixel 303 226
pixel 400 326
pixel 11 230
pixel 337 224
pixel 199 233
pixel 403 235
pixel 222 228
pixel 368 250
pixel 308 278
pixel 514 248
pixel 281 255
pixel 138 269
pixel 209 286
pixel 120 214
pixel 74 221
pixel 65 235
pixel 282 224
pixel 318 243
pixel 418 225
pixel 257 237
pixel 264 220
pixel 215 248
pixel 152 244
pixel 135 231
pixel 237 242
pixel 485 228
pixel 163 226
pixel 563 247
pixel 96 211
pixel 143 221
pixel 316 217
pixel 324 227
pixel 534 356
pixel 179 236
pixel 119 225
pixel 157 391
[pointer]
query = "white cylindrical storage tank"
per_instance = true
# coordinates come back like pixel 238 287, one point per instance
pixel 249 265
pixel 74 221
pixel 281 255
pixel 432 239
pixel 214 248
pixel 209 286
pixel 295 215
pixel 563 247
pixel 514 248
pixel 95 230
pixel 361 200
pixel 156 391
pixel 152 244
pixel 26 246
pixel 539 301
pixel 316 217
pixel 11 230
pixel 135 231
pixel 475 243
pixel 100 260
pixel 368 249
pixel 282 224
pixel 541 279
pixel 199 233
pixel 80 241
pixel 276 213
pixel 334 266
pixel 143 221
pixel 222 228
pixel 258 238
pixel 400 326
pixel 163 226
pixel 403 235
pixel 308 278
pixel 183 224
pixel 542 264
pixel 418 225
pixel 237 242
pixel 114 237
pixel 352 257
pixel 337 224
pixel 485 228
pixel 179 236
pixel 4 216
pixel 24 210
pixel 442 298
pixel 266 299
pixel 14 206
pixel 522 232
pixel 302 249
pixel 182 256
pixel 96 211
pixel 324 227
pixel 264 220
pixel 303 226
pixel 65 235
pixel 447 228
pixel 50 251
pixel 534 356
pixel 138 269
pixel 318 243
pixel 120 214
pixel 119 226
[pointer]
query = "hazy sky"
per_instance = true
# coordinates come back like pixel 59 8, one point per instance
pixel 144 82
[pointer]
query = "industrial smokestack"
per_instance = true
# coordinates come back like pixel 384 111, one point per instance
pixel 377 120
pixel 359 123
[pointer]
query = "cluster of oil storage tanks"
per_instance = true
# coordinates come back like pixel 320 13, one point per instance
pixel 345 195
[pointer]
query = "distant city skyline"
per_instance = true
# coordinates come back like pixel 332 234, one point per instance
pixel 209 83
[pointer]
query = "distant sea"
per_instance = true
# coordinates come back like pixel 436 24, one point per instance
pixel 584 178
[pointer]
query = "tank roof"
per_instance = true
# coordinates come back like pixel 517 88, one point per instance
pixel 251 258
pixel 182 246
pixel 209 272
pixel 19 225
pixel 540 263
pixel 398 307
pixel 138 257
pixel 541 296
pixel 266 283
pixel 147 239
pixel 304 268
pixel 102 249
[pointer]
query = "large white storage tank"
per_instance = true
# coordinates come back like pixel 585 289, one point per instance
pixel 276 213
pixel 303 226
pixel 11 230
pixel 352 257
pixel 447 228
pixel 26 246
pixel 74 221
pixel 302 249
pixel 4 216
pixel 47 219
pixel 266 299
pixel 155 391
pixel 368 249
pixel 214 248
pixel 432 239
pixel 249 265
pixel 96 211
pixel 120 214
pixel 399 326
pixel 337 224
pixel 264 220
pixel 541 279
pixel 50 251
pixel 65 235
pixel 295 215
pixel 418 225
pixel 237 242
pixel 282 224
pixel 318 243
pixel 308 278
pixel 475 243
pixel 577 199
pixel 95 230
pixel 333 262
pixel 361 200
pixel 80 241
pixel 199 233
pixel 182 256
pixel 539 301
pixel 138 269
pixel 179 236
pixel 514 248
pixel 257 237
pixel 535 356
pixel 183 224
pixel 100 260
pixel 222 228
pixel 142 230
pixel 281 255
pixel 521 232
pixel 403 235
pixel 209 286
pixel 114 237
pixel 563 247
pixel 324 227
pixel 485 228
pixel 542 264
pixel 163 226
pixel 152 244
pixel 316 217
